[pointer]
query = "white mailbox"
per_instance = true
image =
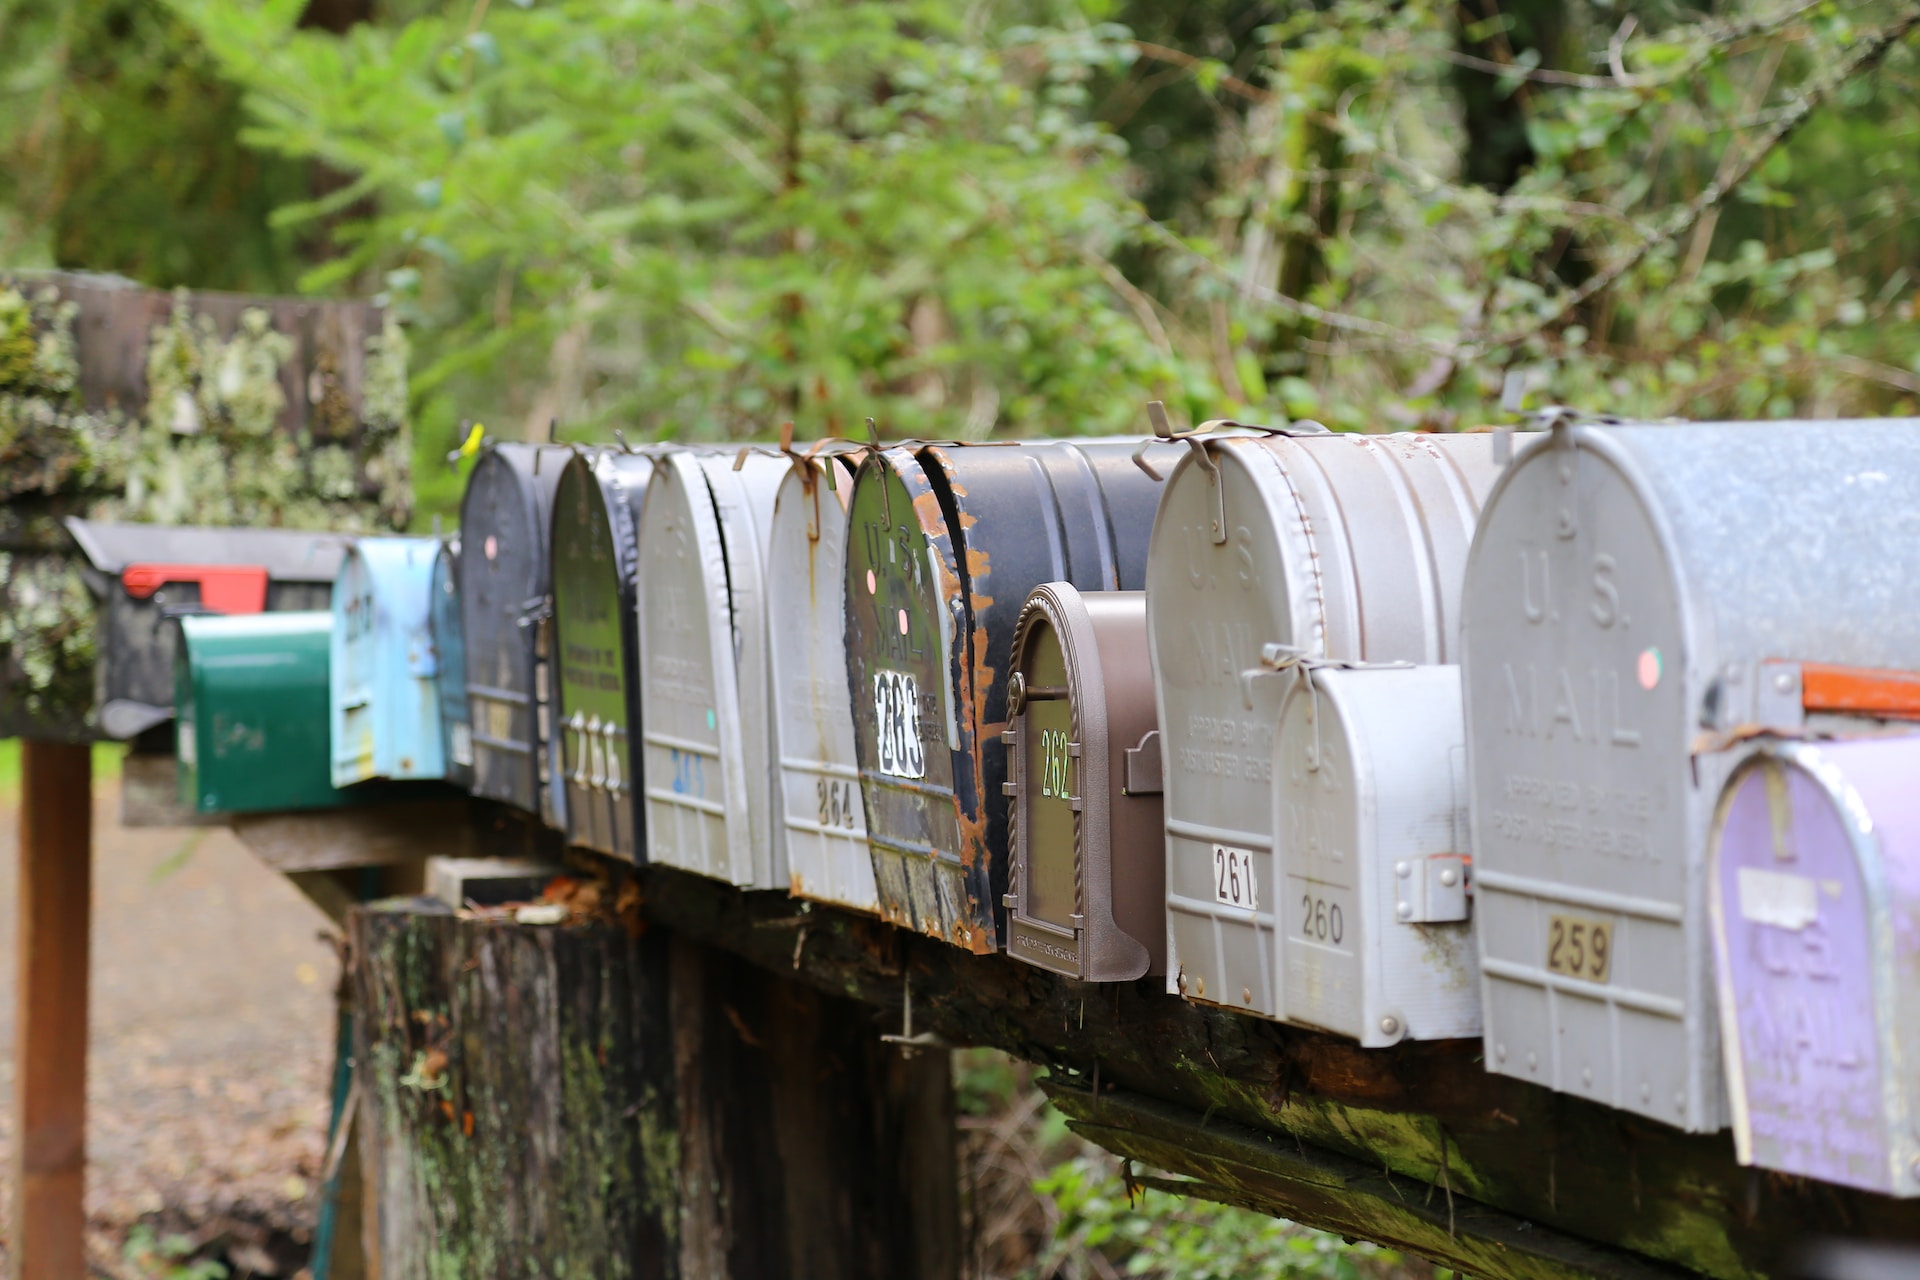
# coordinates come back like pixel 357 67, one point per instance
pixel 704 710
pixel 1638 599
pixel 1343 546
pixel 1370 825
pixel 819 774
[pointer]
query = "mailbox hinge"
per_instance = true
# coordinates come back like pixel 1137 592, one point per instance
pixel 1432 889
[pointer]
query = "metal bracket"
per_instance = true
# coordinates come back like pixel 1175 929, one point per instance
pixel 1433 889
pixel 1196 440
pixel 910 1043
pixel 1146 771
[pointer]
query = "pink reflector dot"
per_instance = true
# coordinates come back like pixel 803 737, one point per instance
pixel 1649 668
pixel 903 622
pixel 493 547
pixel 870 586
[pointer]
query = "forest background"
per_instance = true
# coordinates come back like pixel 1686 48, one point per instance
pixel 1007 218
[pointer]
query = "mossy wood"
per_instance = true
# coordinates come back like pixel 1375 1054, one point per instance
pixel 129 404
pixel 575 1101
pixel 1415 1146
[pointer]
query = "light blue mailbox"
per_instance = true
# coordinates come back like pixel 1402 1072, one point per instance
pixel 386 699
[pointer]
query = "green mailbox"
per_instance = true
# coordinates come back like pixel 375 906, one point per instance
pixel 251 699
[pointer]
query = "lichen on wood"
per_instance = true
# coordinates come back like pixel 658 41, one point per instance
pixel 242 412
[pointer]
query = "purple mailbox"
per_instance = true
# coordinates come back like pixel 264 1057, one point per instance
pixel 1815 883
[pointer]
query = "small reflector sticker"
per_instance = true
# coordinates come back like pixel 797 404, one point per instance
pixel 493 547
pixel 1649 670
pixel 871 587
pixel 903 622
pixel 710 719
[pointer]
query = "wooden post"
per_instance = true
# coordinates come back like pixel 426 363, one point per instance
pixel 50 1033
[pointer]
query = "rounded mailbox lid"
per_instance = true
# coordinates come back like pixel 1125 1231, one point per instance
pixel 450 665
pixel 1370 814
pixel 504 520
pixel 944 546
pixel 1345 546
pixel 706 760
pixel 595 538
pixel 1625 585
pixel 1088 887
pixel 1815 868
pixel 385 690
pixel 826 826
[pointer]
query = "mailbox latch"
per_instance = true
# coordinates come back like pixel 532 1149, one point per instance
pixel 1431 889
pixel 1144 768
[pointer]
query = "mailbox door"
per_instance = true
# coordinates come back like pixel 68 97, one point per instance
pixel 1810 851
pixel 1578 668
pixel 256 737
pixel 696 814
pixel 1049 922
pixel 595 542
pixel 826 827
pixel 504 520
pixel 1351 547
pixel 450 666
pixel 386 709
pixel 1371 825
pixel 906 629
pixel 744 490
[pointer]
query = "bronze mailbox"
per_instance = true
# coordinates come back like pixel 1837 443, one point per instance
pixel 1088 895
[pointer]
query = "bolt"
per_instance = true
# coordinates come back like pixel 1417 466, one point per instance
pixel 1389 1026
pixel 1646 1092
pixel 1680 1101
pixel 1200 987
pixel 1246 995
pixel 1404 910
pixel 1783 682
pixel 1533 1061
pixel 1586 1076
pixel 1500 1051
pixel 1450 877
pixel 1403 868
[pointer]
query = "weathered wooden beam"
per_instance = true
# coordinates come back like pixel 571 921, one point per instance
pixel 50 1028
pixel 1540 1164
pixel 335 839
pixel 571 1100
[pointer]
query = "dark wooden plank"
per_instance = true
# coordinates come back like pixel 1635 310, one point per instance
pixel 50 1036
pixel 333 839
pixel 1427 1114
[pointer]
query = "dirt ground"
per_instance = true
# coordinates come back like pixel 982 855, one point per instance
pixel 213 1025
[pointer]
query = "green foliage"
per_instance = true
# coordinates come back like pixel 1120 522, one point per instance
pixel 1140 1232
pixel 168 1257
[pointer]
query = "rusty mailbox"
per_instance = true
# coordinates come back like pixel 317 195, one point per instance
pixel 1814 864
pixel 1347 547
pixel 1088 885
pixel 450 665
pixel 1637 598
pixel 820 806
pixel 505 605
pixel 596 531
pixel 706 760
pixel 1370 828
pixel 945 543
pixel 148 575
pixel 385 687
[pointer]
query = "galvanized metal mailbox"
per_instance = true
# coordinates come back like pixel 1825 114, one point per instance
pixel 148 575
pixel 1089 880
pixel 1637 598
pixel 819 775
pixel 1347 547
pixel 385 687
pixel 1370 827
pixel 252 700
pixel 596 518
pixel 945 543
pixel 706 762
pixel 1814 866
pixel 505 604
pixel 450 665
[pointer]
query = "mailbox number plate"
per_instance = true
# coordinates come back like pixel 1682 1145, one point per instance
pixel 896 719
pixel 1579 948
pixel 1233 881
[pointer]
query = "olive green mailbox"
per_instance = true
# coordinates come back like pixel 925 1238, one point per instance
pixel 251 700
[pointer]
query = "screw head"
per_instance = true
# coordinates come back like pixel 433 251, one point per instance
pixel 1246 995
pixel 1404 910
pixel 1782 681
pixel 1586 1076
pixel 1450 877
pixel 1500 1051
pixel 1646 1092
pixel 1390 1026
pixel 1403 868
pixel 1533 1061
